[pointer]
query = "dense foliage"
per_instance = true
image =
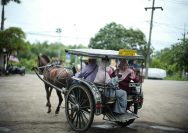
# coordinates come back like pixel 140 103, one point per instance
pixel 116 36
pixel 174 59
pixel 53 50
pixel 12 40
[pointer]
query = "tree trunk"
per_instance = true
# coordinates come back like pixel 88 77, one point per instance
pixel 183 73
pixel 3 17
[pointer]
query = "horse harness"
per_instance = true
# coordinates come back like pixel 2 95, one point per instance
pixel 56 79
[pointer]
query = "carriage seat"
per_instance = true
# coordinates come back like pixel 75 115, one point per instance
pixel 135 88
pixel 107 99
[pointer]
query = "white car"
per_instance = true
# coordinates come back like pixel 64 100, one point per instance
pixel 156 73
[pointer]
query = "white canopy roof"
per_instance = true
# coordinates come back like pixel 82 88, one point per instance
pixel 101 53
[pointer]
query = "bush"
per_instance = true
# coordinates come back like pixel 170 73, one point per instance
pixel 176 77
pixel 28 64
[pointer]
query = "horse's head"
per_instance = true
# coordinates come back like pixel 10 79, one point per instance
pixel 43 60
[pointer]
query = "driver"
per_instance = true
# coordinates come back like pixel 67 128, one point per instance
pixel 89 71
pixel 121 95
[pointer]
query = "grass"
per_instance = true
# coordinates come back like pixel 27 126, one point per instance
pixel 176 77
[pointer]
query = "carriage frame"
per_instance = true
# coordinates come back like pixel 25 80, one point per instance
pixel 85 99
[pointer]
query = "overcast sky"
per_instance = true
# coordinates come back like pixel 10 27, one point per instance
pixel 81 19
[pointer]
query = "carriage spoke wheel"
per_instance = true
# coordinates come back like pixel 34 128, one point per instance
pixel 79 108
pixel 132 108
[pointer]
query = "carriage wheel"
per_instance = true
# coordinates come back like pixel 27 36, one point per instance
pixel 79 108
pixel 132 107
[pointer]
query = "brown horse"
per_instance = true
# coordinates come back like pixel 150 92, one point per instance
pixel 56 75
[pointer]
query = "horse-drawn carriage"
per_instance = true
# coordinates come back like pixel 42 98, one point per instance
pixel 85 99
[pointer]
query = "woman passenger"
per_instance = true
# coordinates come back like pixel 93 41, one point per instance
pixel 121 95
pixel 127 75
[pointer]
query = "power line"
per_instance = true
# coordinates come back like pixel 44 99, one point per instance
pixel 178 2
pixel 49 35
pixel 168 25
pixel 41 34
pixel 173 26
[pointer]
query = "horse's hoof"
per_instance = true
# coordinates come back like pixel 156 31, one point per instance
pixel 57 110
pixel 49 110
pixel 48 104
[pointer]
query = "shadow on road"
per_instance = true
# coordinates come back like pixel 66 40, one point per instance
pixel 137 127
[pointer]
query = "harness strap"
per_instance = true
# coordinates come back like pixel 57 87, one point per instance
pixel 58 76
pixel 47 69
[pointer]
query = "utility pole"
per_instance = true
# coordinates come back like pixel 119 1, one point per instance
pixel 3 17
pixel 150 31
pixel 59 30
pixel 183 41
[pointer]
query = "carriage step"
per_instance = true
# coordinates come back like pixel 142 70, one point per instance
pixel 126 116
pixel 122 117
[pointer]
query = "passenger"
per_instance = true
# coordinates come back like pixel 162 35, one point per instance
pixel 121 95
pixel 127 75
pixel 109 70
pixel 133 65
pixel 89 71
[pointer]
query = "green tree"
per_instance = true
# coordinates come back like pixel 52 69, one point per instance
pixel 4 3
pixel 174 59
pixel 115 36
pixel 53 50
pixel 12 40
pixel 180 54
pixel 164 59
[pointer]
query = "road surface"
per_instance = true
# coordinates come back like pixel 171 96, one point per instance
pixel 23 99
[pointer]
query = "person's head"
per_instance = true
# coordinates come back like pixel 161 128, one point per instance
pixel 131 62
pixel 92 60
pixel 123 65
pixel 85 60
pixel 104 63
pixel 105 60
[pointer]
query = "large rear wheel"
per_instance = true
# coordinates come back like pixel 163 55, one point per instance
pixel 79 108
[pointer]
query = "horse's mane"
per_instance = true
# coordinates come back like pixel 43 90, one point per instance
pixel 45 57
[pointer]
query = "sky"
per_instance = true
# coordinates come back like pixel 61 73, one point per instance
pixel 79 20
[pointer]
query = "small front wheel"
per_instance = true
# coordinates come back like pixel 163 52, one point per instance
pixel 79 108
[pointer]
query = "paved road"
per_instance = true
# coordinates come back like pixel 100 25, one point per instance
pixel 22 108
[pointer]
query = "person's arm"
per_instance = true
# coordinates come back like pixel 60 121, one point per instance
pixel 113 81
pixel 134 76
pixel 115 73
pixel 81 73
pixel 125 82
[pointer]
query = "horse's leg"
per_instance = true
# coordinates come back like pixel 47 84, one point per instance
pixel 60 101
pixel 48 94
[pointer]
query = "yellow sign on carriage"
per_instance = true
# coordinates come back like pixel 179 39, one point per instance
pixel 126 52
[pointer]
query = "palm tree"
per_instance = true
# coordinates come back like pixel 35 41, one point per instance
pixel 4 3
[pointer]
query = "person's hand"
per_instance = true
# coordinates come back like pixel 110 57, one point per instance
pixel 113 81
pixel 132 76
pixel 119 76
pixel 116 72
